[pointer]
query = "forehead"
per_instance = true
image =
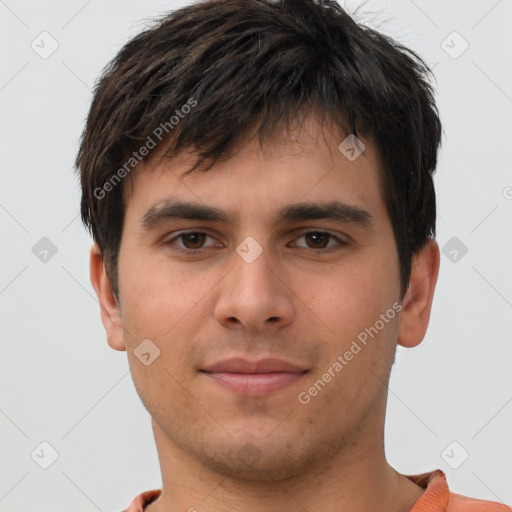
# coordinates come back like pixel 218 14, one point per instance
pixel 312 161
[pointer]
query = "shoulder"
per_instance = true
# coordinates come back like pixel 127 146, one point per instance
pixel 459 503
pixel 438 498
pixel 139 503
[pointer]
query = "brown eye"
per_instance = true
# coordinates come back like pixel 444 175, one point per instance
pixel 193 240
pixel 320 241
pixel 190 241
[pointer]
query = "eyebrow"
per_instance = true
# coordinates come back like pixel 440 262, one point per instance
pixel 170 209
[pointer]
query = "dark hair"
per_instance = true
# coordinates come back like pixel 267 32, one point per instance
pixel 244 64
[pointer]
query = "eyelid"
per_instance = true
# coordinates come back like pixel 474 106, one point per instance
pixel 179 234
pixel 341 242
pixel 334 234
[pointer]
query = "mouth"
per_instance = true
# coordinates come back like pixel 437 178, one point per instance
pixel 254 378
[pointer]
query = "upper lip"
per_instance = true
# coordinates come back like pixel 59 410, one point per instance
pixel 241 365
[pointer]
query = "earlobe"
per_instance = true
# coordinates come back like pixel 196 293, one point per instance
pixel 417 303
pixel 109 307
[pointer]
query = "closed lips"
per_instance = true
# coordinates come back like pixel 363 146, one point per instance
pixel 241 365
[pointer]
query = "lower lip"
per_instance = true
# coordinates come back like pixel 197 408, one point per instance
pixel 255 384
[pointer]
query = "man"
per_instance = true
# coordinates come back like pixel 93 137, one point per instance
pixel 257 177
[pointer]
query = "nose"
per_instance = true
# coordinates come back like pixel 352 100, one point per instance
pixel 255 295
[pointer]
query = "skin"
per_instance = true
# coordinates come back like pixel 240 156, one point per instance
pixel 296 301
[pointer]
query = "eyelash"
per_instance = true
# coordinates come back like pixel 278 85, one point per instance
pixel 185 250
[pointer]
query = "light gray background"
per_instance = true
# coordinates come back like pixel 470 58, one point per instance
pixel 60 383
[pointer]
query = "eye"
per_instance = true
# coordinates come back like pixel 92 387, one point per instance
pixel 192 241
pixel 319 240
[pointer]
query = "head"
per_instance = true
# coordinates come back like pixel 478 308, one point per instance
pixel 240 106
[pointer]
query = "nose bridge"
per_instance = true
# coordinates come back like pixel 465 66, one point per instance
pixel 252 295
pixel 252 266
pixel 252 273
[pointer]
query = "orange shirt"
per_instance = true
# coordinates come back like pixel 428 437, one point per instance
pixel 436 498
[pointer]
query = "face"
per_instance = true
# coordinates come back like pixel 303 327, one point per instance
pixel 297 262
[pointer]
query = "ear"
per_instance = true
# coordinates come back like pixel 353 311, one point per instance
pixel 109 308
pixel 417 302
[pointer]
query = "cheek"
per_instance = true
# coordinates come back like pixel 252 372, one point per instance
pixel 346 306
pixel 164 304
pixel 150 302
pixel 344 301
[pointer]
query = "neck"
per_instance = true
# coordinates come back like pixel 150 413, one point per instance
pixel 354 477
